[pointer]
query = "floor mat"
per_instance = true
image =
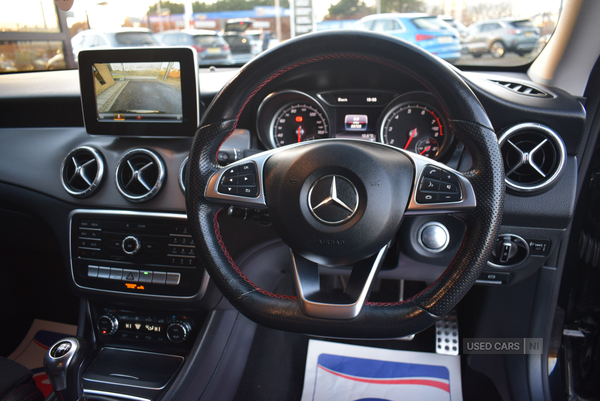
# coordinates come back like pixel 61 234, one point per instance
pixel 343 372
pixel 30 353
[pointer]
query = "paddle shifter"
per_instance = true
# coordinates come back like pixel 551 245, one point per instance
pixel 62 365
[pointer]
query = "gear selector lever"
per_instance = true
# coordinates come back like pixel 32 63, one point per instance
pixel 62 365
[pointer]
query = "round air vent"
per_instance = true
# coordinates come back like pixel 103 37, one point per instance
pixel 183 174
pixel 82 171
pixel 533 155
pixel 140 175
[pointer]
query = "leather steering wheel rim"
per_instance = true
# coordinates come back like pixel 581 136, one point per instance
pixel 467 120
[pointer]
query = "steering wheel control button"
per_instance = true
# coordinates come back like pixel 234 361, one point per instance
pixel 228 190
pixel 333 199
pixel 247 179
pixel 108 324
pixel 446 187
pixel 240 180
pixel 430 185
pixel 434 237
pixel 435 191
pixel 250 192
pixel 426 197
pixel 432 172
pixel 131 245
pixel 449 178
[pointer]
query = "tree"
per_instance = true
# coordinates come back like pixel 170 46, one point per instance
pixel 483 11
pixel 403 6
pixel 174 8
pixel 348 8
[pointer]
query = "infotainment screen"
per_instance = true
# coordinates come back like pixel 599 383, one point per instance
pixel 136 92
pixel 141 92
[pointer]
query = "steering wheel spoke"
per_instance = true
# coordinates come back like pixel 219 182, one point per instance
pixel 346 305
pixel 439 189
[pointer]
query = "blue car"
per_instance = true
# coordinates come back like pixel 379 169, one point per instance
pixel 427 31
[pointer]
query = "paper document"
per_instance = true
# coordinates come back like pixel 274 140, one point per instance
pixel 343 372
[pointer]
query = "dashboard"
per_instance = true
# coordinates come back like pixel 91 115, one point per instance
pixel 125 243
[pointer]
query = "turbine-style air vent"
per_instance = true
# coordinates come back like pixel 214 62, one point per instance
pixel 140 175
pixel 82 171
pixel 183 174
pixel 533 155
pixel 522 88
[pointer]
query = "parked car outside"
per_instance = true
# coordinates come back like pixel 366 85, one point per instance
pixel 234 33
pixel 500 36
pixel 211 46
pixel 454 23
pixel 103 38
pixel 424 30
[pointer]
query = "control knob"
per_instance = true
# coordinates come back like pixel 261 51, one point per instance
pixel 178 331
pixel 131 245
pixel 108 324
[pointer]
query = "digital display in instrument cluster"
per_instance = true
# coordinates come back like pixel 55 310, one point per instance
pixel 357 122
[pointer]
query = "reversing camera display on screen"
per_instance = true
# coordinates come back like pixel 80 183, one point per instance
pixel 138 92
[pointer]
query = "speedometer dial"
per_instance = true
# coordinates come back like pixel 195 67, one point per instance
pixel 415 127
pixel 298 122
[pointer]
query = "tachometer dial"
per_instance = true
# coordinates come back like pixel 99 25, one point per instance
pixel 415 127
pixel 298 122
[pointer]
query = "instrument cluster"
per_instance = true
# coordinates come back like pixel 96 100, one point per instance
pixel 411 121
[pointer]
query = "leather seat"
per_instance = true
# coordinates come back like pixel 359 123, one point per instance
pixel 16 382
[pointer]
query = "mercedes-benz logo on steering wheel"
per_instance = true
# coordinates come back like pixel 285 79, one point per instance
pixel 333 199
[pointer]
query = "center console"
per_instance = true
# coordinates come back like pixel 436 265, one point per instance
pixel 148 258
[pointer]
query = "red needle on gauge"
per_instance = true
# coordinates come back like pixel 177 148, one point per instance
pixel 425 150
pixel 412 134
pixel 299 133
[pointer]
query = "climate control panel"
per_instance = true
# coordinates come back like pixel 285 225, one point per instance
pixel 133 326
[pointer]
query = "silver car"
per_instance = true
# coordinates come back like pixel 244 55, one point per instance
pixel 500 36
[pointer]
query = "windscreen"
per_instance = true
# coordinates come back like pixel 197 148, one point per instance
pixel 138 92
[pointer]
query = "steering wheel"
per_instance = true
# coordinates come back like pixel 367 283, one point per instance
pixel 340 202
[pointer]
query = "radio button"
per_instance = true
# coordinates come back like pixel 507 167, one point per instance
pixel 92 271
pixel 173 278
pixel 159 277
pixel 103 272
pixel 116 273
pixel 145 276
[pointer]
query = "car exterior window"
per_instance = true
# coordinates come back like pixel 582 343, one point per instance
pixel 430 23
pixel 382 25
pixel 135 39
